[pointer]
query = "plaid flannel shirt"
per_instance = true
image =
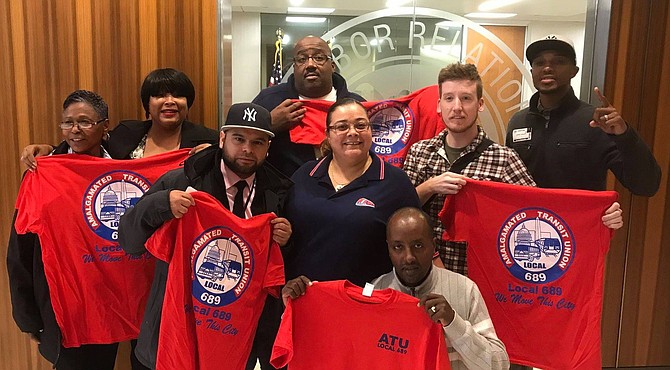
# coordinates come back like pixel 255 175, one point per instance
pixel 427 159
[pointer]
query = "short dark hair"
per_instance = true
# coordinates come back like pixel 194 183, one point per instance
pixel 459 72
pixel 340 103
pixel 411 212
pixel 167 81
pixel 89 97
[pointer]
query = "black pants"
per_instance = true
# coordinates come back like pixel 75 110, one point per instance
pixel 268 325
pixel 87 357
pixel 95 357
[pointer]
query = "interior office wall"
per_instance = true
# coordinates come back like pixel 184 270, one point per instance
pixel 246 56
pixel 247 51
pixel 50 48
pixel 636 316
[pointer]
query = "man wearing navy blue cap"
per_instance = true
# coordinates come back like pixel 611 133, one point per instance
pixel 568 143
pixel 235 173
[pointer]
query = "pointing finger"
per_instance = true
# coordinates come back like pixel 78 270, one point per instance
pixel 601 97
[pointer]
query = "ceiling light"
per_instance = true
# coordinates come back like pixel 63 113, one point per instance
pixel 491 15
pixel 286 39
pixel 296 2
pixel 301 10
pixel 487 6
pixel 305 19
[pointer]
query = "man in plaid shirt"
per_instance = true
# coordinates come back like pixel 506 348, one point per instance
pixel 430 163
pixel 438 166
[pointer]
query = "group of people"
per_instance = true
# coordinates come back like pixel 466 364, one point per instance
pixel 342 212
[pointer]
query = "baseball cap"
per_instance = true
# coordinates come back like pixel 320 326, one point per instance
pixel 558 43
pixel 249 115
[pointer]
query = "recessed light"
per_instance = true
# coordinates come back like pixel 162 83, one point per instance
pixel 301 10
pixel 305 19
pixel 487 6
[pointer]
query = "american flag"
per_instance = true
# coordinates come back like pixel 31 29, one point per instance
pixel 276 74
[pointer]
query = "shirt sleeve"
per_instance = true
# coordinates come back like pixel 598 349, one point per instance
pixel 282 350
pixel 161 244
pixel 28 205
pixel 21 255
pixel 516 171
pixel 411 166
pixel 474 338
pixel 274 274
pixel 634 164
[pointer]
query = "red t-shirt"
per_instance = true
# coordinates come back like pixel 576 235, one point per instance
pixel 220 270
pixel 73 203
pixel 333 326
pixel 396 123
pixel 537 256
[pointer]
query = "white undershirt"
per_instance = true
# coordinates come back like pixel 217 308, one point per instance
pixel 331 96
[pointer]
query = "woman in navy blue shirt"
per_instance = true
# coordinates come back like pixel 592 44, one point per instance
pixel 339 205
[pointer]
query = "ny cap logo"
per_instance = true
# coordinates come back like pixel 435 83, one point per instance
pixel 249 114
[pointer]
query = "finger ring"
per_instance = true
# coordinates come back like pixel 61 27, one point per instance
pixel 606 117
pixel 433 309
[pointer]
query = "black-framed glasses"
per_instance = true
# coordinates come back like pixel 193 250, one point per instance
pixel 82 124
pixel 343 127
pixel 319 59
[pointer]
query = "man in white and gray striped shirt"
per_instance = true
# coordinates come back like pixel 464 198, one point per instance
pixel 449 298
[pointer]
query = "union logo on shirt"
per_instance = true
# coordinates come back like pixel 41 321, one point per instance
pixel 393 343
pixel 392 124
pixel 222 266
pixel 108 197
pixel 536 245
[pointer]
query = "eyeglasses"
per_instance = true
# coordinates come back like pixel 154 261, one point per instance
pixel 319 59
pixel 342 127
pixel 82 124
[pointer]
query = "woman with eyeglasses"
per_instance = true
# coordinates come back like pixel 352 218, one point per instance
pixel 84 123
pixel 339 205
pixel 167 95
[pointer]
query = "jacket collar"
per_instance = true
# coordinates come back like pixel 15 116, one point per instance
pixel 207 163
pixel 422 289
pixel 374 173
pixel 339 83
pixel 439 144
pixel 567 104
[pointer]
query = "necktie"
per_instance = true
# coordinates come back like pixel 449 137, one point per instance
pixel 238 202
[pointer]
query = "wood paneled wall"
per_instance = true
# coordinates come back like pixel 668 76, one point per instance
pixel 636 317
pixel 50 48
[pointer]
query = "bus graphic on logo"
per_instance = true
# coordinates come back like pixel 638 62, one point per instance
pixel 108 197
pixel 536 245
pixel 222 267
pixel 392 124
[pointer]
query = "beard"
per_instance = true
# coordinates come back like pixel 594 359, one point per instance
pixel 459 129
pixel 241 169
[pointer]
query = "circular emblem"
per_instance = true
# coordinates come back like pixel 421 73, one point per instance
pixel 536 245
pixel 222 266
pixel 108 197
pixel 392 124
